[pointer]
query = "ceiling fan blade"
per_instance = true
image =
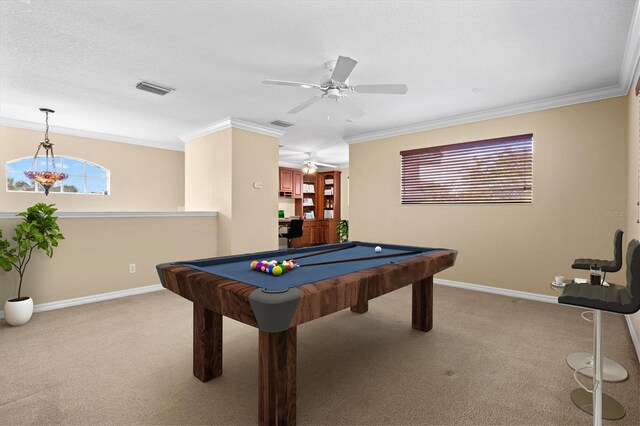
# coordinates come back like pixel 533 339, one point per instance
pixel 351 107
pixel 325 164
pixel 292 83
pixel 305 104
pixel 385 89
pixel 343 68
pixel 284 149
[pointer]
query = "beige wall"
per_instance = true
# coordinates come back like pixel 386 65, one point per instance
pixel 220 171
pixel 580 177
pixel 208 162
pixel 633 228
pixel 94 257
pixel 344 193
pixel 142 178
pixel 255 211
pixel 288 205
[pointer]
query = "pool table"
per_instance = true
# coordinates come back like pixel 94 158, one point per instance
pixel 330 278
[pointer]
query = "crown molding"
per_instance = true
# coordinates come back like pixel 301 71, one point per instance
pixel 629 74
pixel 234 123
pixel 631 60
pixel 560 101
pixel 28 125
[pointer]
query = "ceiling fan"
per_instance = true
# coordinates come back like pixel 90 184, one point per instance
pixel 337 87
pixel 310 164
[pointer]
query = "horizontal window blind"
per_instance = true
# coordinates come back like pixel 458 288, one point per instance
pixel 488 171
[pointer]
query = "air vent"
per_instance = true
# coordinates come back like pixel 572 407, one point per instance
pixel 281 123
pixel 154 88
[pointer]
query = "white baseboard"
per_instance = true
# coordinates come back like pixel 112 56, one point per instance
pixel 140 290
pixel 530 296
pixel 93 298
pixel 634 336
pixel 475 287
pixel 497 290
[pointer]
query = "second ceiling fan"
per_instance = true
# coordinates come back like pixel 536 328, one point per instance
pixel 337 87
pixel 309 161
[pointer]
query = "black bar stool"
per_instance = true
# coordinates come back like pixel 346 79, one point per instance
pixel 611 370
pixel 616 299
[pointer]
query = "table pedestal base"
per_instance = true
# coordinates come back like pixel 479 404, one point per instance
pixel 611 370
pixel 611 409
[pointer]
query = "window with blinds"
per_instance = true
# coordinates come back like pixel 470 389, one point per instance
pixel 488 171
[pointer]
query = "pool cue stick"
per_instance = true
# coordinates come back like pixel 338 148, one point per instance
pixel 355 259
pixel 324 252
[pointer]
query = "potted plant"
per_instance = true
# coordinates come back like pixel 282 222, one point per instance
pixel 343 231
pixel 38 230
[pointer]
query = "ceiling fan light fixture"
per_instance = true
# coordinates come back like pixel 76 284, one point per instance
pixel 334 93
pixel 309 167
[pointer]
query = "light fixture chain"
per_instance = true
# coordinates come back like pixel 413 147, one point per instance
pixel 46 132
pixel 53 159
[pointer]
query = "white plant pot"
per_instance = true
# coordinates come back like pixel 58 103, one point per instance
pixel 18 312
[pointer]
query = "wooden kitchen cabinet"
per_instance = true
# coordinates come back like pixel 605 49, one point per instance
pixel 317 231
pixel 329 195
pixel 290 183
pixel 297 184
pixel 329 234
pixel 319 206
pixel 286 180
pixel 309 234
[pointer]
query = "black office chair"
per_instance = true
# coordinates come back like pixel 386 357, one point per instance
pixel 606 265
pixel 612 371
pixel 294 230
pixel 616 299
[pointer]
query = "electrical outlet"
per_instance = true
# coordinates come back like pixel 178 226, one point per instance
pixel 132 268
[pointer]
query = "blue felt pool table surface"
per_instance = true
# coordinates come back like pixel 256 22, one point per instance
pixel 238 267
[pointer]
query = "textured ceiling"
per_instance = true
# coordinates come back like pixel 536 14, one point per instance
pixel 459 59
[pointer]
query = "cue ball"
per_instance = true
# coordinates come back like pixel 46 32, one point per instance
pixel 378 249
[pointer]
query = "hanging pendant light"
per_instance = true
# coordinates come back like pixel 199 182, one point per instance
pixel 47 178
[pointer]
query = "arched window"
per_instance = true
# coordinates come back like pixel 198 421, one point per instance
pixel 85 177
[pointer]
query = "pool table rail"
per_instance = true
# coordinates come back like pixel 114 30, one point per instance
pixel 356 289
pixel 232 299
pixel 218 294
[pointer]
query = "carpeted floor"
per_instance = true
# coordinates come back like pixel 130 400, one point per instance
pixel 489 360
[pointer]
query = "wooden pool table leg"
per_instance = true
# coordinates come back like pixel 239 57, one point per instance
pixel 422 305
pixel 207 343
pixel 277 377
pixel 362 306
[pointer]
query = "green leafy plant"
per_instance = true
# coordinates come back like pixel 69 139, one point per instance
pixel 343 230
pixel 38 230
